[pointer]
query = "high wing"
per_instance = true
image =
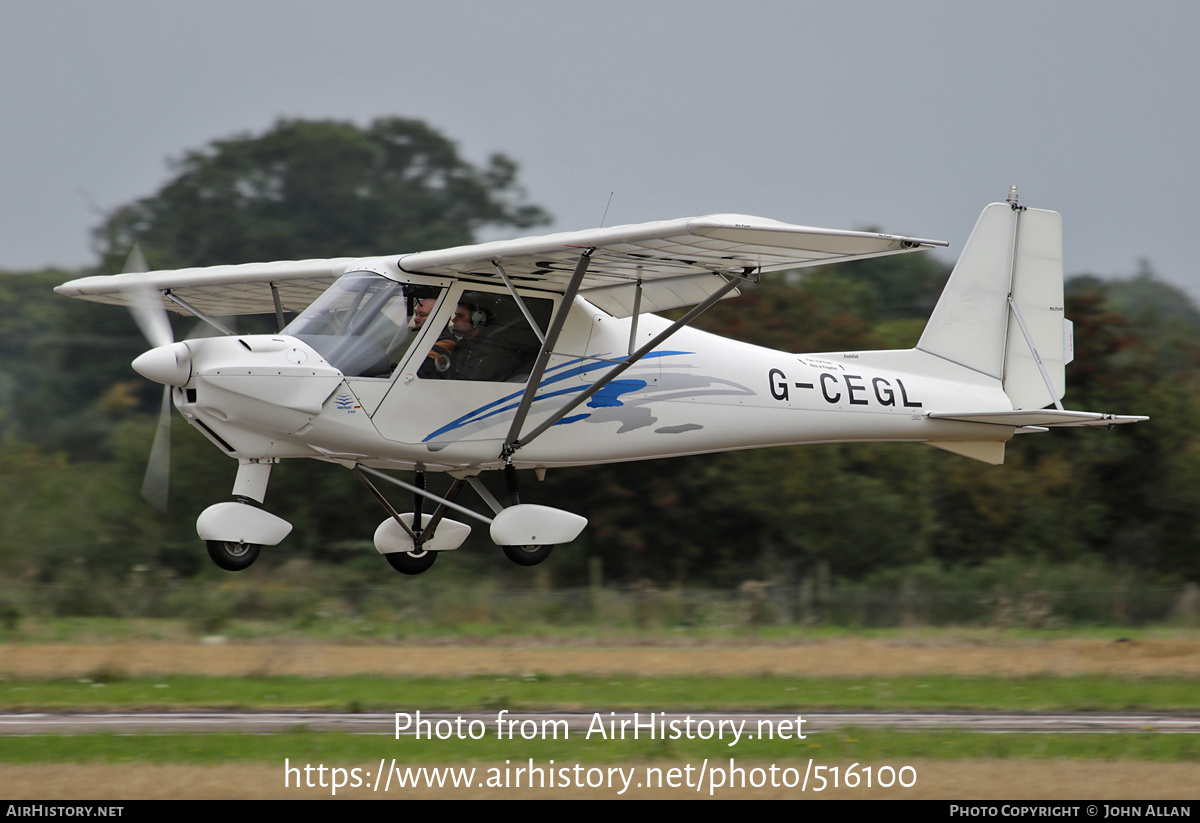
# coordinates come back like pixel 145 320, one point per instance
pixel 636 268
pixel 221 291
pixel 676 262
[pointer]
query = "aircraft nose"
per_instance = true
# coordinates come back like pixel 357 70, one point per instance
pixel 170 365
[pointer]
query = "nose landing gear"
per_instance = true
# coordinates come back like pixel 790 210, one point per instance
pixel 235 532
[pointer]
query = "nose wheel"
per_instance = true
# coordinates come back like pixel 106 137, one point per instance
pixel 232 556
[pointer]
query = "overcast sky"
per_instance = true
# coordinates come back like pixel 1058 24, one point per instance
pixel 908 116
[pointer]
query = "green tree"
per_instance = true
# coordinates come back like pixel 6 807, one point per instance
pixel 318 189
pixel 811 311
pixel 903 285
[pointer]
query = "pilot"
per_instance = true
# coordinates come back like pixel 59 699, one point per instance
pixel 463 353
pixel 466 320
pixel 442 358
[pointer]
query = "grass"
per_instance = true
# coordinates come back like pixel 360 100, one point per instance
pixel 351 630
pixel 1153 674
pixel 877 747
pixel 108 690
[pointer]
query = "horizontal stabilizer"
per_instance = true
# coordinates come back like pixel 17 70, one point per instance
pixel 1041 417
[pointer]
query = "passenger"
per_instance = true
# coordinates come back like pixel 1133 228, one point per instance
pixel 421 311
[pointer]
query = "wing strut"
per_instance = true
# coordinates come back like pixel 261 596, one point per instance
pixel 278 306
pixel 548 343
pixel 512 444
pixel 199 315
pixel 637 310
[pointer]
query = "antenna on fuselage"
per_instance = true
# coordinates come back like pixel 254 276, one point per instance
pixel 606 205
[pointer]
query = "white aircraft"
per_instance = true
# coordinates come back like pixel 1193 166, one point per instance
pixel 543 352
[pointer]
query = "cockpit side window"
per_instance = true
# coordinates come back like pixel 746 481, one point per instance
pixel 487 339
pixel 364 323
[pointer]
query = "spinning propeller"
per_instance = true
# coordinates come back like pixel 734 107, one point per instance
pixel 156 364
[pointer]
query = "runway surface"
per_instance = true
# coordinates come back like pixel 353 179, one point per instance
pixel 446 723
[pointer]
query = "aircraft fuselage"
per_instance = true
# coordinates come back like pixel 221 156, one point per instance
pixel 275 396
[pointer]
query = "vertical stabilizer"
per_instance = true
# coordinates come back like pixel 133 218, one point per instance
pixel 970 321
pixel 1002 309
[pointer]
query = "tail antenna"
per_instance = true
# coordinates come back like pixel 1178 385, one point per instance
pixel 1012 198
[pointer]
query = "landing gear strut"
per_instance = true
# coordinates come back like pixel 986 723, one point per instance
pixel 420 560
pixel 521 555
pixel 419 528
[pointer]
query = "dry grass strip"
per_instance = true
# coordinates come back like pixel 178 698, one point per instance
pixel 845 657
pixel 938 780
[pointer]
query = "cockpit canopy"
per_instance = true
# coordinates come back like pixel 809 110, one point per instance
pixel 363 323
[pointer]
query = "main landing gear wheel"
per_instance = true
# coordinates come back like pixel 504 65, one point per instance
pixel 411 562
pixel 232 556
pixel 527 555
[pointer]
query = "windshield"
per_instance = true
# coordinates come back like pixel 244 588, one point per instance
pixel 363 323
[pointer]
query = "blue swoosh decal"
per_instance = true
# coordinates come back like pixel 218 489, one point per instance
pixel 609 395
